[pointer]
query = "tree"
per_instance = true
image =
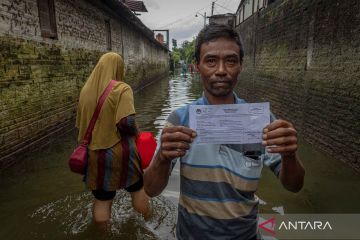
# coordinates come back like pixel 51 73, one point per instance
pixel 185 52
pixel 174 43
pixel 176 57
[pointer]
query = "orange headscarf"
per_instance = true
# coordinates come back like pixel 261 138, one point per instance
pixel 118 104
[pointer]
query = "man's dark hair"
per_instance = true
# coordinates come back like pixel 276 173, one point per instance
pixel 214 31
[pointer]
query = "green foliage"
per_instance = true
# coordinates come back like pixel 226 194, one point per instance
pixel 185 52
pixel 176 57
pixel 174 43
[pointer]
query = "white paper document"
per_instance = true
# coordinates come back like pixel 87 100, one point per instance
pixel 229 123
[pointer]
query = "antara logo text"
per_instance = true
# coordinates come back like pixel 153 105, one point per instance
pixel 305 225
pixel 270 226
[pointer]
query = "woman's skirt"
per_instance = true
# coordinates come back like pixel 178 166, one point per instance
pixel 114 168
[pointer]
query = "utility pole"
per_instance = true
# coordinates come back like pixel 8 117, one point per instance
pixel 204 19
pixel 212 8
pixel 204 16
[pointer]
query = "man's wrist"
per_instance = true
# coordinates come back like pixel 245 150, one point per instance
pixel 289 157
pixel 162 160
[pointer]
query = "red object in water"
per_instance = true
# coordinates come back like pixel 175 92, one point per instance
pixel 146 145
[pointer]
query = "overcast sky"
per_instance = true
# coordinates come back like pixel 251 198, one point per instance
pixel 179 15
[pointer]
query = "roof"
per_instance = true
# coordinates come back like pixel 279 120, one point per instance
pixel 120 10
pixel 135 6
pixel 240 4
pixel 222 15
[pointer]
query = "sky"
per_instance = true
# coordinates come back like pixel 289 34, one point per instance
pixel 179 15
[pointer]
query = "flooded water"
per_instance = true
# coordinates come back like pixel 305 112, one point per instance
pixel 41 199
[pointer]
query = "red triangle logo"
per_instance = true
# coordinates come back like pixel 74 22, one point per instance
pixel 268 226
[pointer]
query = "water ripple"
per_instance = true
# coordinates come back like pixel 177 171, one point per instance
pixel 72 216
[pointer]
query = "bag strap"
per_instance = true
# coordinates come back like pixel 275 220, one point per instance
pixel 91 126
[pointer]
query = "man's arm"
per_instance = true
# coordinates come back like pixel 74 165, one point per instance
pixel 174 143
pixel 292 173
pixel 156 176
pixel 280 137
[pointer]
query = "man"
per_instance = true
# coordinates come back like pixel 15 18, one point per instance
pixel 217 199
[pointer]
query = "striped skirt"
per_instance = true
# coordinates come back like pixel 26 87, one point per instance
pixel 114 168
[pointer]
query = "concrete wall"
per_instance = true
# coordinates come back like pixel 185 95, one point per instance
pixel 222 19
pixel 304 57
pixel 40 78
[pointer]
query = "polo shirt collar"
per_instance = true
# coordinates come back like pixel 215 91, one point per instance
pixel 206 102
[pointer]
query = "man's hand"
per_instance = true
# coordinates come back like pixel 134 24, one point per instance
pixel 280 136
pixel 174 143
pixel 175 140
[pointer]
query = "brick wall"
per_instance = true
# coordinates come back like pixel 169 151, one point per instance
pixel 304 57
pixel 40 78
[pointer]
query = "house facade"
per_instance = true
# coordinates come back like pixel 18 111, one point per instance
pixel 48 49
pixel 303 57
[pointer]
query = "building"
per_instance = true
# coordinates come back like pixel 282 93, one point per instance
pixel 303 57
pixel 227 18
pixel 160 38
pixel 135 6
pixel 48 49
pixel 249 7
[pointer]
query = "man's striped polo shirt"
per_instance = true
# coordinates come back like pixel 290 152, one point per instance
pixel 217 185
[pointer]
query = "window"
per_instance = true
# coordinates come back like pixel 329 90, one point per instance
pixel 248 9
pixel 47 18
pixel 264 3
pixel 241 15
pixel 108 34
pixel 256 6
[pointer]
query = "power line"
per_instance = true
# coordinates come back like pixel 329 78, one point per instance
pixel 226 4
pixel 179 20
pixel 182 18
pixel 216 12
pixel 224 7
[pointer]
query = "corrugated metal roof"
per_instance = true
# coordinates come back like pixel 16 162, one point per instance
pixel 136 6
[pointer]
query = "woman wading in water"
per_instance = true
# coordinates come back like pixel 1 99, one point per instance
pixel 113 161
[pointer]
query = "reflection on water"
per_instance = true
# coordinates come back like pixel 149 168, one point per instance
pixel 72 216
pixel 42 196
pixel 157 101
pixel 41 199
pixel 153 106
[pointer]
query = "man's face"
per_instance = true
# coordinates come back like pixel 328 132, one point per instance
pixel 219 66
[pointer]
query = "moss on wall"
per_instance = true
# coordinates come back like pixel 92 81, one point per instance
pixel 39 88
